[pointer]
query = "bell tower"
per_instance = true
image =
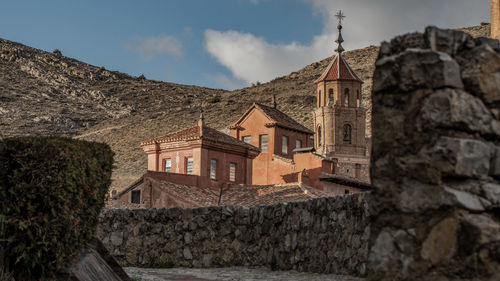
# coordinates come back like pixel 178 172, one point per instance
pixel 339 117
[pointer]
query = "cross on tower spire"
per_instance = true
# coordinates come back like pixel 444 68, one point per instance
pixel 340 16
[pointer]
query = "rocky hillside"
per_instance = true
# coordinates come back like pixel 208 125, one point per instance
pixel 45 93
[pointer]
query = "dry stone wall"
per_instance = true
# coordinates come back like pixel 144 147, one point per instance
pixel 436 158
pixel 327 235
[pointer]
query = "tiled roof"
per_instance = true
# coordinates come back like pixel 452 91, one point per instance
pixel 216 136
pixel 268 195
pixel 184 134
pixel 232 194
pixel 194 133
pixel 338 69
pixel 275 117
pixel 347 180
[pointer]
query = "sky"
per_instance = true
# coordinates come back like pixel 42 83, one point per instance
pixel 226 44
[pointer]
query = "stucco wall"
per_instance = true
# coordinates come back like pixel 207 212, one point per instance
pixel 321 235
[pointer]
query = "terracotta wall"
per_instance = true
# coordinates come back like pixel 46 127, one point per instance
pixel 178 158
pixel 314 166
pixel 223 161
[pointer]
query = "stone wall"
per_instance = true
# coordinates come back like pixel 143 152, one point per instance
pixel 327 235
pixel 436 159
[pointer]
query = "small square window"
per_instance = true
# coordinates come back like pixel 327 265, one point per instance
pixel 298 144
pixel 213 169
pixel 263 143
pixel 135 197
pixel 189 165
pixel 247 139
pixel 168 165
pixel 284 145
pixel 232 172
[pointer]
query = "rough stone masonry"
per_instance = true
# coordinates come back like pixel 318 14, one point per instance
pixel 436 158
pixel 327 235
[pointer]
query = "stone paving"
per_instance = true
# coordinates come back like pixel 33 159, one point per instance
pixel 228 274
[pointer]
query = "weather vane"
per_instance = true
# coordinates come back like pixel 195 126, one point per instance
pixel 339 40
pixel 340 16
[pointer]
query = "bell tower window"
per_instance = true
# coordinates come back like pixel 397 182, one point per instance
pixel 319 135
pixel 346 97
pixel 330 97
pixel 347 133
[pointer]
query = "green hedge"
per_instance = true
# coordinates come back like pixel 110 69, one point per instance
pixel 52 190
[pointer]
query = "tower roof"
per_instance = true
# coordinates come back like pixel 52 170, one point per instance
pixel 338 69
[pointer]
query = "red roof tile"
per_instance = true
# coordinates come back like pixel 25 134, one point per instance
pixel 275 117
pixel 338 69
pixel 232 194
pixel 194 133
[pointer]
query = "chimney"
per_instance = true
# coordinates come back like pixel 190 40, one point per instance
pixel 495 19
pixel 201 123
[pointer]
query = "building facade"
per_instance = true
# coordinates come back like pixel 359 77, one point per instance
pixel 204 152
pixel 265 147
pixel 276 135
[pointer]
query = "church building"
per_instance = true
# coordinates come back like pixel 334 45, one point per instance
pixel 265 148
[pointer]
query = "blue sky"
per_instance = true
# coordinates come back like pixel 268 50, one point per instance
pixel 219 43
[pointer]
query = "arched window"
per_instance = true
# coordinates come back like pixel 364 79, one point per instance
pixel 330 96
pixel 346 97
pixel 319 135
pixel 347 133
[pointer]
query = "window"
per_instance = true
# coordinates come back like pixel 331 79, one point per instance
pixel 319 135
pixel 213 169
pixel 247 139
pixel 346 191
pixel 347 133
pixel 263 143
pixel 319 98
pixel 168 165
pixel 284 145
pixel 330 96
pixel 135 197
pixel 189 165
pixel 298 144
pixel 232 172
pixel 346 97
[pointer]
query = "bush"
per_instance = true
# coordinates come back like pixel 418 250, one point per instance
pixel 52 190
pixel 142 77
pixel 215 99
pixel 186 101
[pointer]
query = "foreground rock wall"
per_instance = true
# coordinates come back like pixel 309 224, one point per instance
pixel 322 235
pixel 436 159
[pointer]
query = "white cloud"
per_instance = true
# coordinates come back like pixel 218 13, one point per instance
pixel 150 47
pixel 251 58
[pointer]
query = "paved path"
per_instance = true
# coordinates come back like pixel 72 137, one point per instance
pixel 228 274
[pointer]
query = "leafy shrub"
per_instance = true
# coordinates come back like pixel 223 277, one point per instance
pixel 52 190
pixel 214 99
pixel 186 101
pixel 142 77
pixel 57 52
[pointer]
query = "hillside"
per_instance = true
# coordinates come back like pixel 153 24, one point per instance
pixel 44 93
